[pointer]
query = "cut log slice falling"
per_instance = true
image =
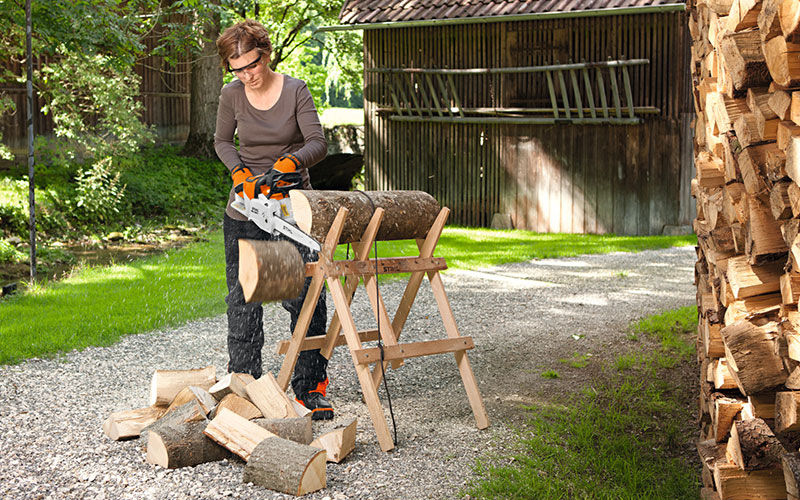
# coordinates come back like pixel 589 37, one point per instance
pixel 408 214
pixel 270 270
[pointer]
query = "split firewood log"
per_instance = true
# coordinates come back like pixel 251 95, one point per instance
pixel 267 395
pixel 270 270
pixel 791 472
pixel 129 423
pixel 231 383
pixel 790 19
pixel 339 442
pixel 166 384
pixel 781 59
pixel 750 351
pixel 786 411
pixel 753 446
pixel 239 405
pixel 408 214
pixel 190 393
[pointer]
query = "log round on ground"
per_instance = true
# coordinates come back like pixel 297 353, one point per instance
pixel 286 466
pixel 270 270
pixel 408 214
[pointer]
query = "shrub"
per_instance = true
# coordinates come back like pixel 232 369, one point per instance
pixel 8 253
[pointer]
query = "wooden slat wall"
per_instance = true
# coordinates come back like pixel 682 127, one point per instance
pixel 554 178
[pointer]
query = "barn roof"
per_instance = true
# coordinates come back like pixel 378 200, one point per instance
pixel 380 11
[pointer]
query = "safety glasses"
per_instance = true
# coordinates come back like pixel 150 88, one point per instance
pixel 251 66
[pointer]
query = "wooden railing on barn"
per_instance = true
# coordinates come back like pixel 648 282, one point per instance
pixel 416 98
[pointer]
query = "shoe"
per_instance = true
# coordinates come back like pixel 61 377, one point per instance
pixel 316 401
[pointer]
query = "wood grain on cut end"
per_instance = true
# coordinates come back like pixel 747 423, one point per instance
pixel 270 270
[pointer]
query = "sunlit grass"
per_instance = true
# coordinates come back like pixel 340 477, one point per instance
pixel 621 438
pixel 97 306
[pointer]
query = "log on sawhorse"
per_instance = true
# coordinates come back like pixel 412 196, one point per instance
pixel 343 331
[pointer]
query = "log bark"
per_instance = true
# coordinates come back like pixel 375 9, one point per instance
pixel 177 439
pixel 408 214
pixel 297 429
pixel 286 466
pixel 786 411
pixel 753 446
pixel 339 442
pixel 769 22
pixel 231 383
pixel 267 395
pixel 166 384
pixel 270 270
pixel 129 423
pixel 791 472
pixel 751 354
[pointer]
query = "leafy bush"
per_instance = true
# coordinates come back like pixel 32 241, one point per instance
pixel 8 253
pixel 98 192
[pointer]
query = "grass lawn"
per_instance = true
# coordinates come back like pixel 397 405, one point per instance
pixel 621 439
pixel 332 117
pixel 97 306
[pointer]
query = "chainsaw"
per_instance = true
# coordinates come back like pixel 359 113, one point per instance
pixel 272 212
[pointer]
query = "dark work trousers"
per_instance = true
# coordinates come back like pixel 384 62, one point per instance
pixel 245 321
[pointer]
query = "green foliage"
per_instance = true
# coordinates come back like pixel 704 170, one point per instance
pixel 549 374
pixel 9 253
pixel 577 360
pixel 93 104
pixel 669 327
pixel 622 439
pixel 98 194
pixel 6 107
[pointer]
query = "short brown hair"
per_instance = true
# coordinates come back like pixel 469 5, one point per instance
pixel 241 38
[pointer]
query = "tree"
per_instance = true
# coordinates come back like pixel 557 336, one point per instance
pixel 205 89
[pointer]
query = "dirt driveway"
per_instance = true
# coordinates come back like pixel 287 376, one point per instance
pixel 523 317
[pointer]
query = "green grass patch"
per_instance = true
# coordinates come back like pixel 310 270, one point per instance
pixel 622 439
pixel 332 117
pixel 470 248
pixel 577 360
pixel 96 306
pixel 550 374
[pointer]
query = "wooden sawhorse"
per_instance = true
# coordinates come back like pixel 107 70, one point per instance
pixel 326 269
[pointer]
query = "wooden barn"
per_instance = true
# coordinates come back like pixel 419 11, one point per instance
pixel 558 115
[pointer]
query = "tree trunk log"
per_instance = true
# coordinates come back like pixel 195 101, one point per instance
pixel 166 384
pixel 177 439
pixel 206 83
pixel 751 354
pixel 409 214
pixel 270 270
pixel 286 466
pixel 782 61
pixel 297 429
pixel 753 446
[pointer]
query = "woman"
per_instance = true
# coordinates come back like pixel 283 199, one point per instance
pixel 276 122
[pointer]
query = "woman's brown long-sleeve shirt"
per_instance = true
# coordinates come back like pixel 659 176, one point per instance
pixel 290 126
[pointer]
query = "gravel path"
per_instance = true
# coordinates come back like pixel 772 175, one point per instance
pixel 523 318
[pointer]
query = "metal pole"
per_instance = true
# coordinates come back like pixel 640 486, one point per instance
pixel 31 196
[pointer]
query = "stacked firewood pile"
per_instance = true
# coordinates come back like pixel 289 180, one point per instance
pixel 746 75
pixel 193 418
